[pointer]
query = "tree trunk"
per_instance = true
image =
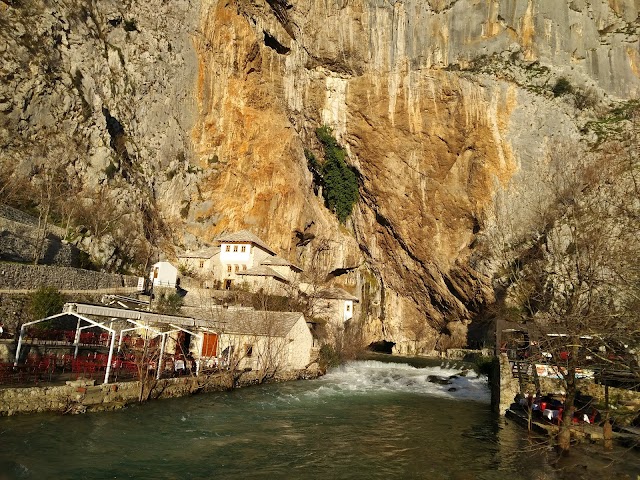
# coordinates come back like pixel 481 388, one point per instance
pixel 607 433
pixel 564 435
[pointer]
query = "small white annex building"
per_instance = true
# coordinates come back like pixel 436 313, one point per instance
pixel 163 274
pixel 334 304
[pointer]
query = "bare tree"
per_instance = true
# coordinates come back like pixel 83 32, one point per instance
pixel 575 280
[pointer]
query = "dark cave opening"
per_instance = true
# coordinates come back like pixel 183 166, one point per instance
pixel 381 346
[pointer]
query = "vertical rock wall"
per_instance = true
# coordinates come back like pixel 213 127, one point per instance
pixel 443 106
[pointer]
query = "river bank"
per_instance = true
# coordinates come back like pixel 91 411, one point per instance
pixel 81 396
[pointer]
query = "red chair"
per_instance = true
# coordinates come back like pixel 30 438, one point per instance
pixel 7 376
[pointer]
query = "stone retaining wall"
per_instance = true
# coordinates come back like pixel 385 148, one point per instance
pixel 504 386
pixel 17 276
pixel 17 244
pixel 79 396
pixel 19 216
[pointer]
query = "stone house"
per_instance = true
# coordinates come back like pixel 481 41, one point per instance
pixel 239 252
pixel 242 258
pixel 272 275
pixel 263 340
pixel 199 263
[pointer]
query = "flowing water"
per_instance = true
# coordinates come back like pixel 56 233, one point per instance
pixel 365 420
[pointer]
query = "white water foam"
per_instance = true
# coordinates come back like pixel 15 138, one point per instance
pixel 372 376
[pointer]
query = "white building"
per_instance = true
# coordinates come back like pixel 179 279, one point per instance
pixel 242 258
pixel 246 258
pixel 163 274
pixel 261 340
pixel 334 304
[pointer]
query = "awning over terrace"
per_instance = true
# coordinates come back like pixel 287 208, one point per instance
pixel 79 328
pixel 158 325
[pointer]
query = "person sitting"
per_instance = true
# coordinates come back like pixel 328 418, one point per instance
pixel 191 363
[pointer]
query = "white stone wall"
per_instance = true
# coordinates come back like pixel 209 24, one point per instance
pixel 251 257
pixel 348 309
pixel 300 344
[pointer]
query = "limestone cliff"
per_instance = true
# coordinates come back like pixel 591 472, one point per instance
pixel 443 106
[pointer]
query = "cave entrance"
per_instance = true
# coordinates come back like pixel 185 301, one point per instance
pixel 381 347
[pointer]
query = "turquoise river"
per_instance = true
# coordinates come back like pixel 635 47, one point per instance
pixel 365 420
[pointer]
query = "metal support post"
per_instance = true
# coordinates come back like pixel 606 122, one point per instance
pixel 108 370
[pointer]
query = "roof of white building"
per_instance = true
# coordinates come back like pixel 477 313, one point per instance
pixel 279 261
pixel 255 322
pixel 203 253
pixel 245 236
pixel 335 293
pixel 164 263
pixel 262 271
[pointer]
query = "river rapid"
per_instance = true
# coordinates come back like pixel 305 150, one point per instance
pixel 365 420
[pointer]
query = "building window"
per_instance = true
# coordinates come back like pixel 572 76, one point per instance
pixel 348 308
pixel 243 249
pixel 201 263
pixel 235 248
pixel 229 268
pixel 244 267
pixel 237 267
pixel 228 248
pixel 248 350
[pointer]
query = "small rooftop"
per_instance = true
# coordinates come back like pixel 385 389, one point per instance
pixel 336 293
pixel 255 322
pixel 245 236
pixel 279 261
pixel 203 253
pixel 263 271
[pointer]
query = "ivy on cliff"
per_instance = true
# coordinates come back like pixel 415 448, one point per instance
pixel 338 179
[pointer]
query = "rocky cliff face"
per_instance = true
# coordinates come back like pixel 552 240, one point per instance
pixel 206 108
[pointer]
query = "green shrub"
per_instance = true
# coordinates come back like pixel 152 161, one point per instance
pixel 484 366
pixel 328 357
pixel 46 301
pixel 339 180
pixel 587 98
pixel 562 87
pixel 169 304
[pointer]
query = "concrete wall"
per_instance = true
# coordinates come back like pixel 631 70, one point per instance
pixel 19 276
